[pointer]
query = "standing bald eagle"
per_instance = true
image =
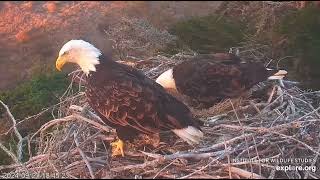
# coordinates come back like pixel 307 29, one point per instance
pixel 209 79
pixel 126 99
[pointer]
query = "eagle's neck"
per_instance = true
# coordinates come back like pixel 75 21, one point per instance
pixel 105 63
pixel 88 61
pixel 88 66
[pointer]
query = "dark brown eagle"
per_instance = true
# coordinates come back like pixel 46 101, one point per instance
pixel 209 79
pixel 126 99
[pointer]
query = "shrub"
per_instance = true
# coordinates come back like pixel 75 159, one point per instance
pixel 32 96
pixel 207 34
pixel 302 31
pixel 29 98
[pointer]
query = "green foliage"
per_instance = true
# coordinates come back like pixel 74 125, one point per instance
pixel 302 31
pixel 207 34
pixel 30 97
pixel 4 158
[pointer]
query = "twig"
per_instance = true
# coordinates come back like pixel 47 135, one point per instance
pixel 160 158
pixel 315 159
pixel 228 157
pixel 255 107
pixel 257 152
pixel 45 110
pixel 201 169
pixel 221 144
pixel 12 155
pixel 263 130
pixel 84 157
pixel 13 121
pixel 243 132
pixel 271 95
pixel 87 112
pixel 137 166
pixel 245 174
pixel 294 139
pixel 190 155
pixel 164 169
pixel 16 132
pixel 11 166
pixel 314 111
pixel 74 117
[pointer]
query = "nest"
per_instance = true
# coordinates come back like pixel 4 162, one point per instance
pixel 249 137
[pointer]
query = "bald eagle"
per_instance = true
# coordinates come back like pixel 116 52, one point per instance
pixel 209 79
pixel 126 99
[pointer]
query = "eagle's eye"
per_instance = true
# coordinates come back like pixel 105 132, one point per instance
pixel 65 53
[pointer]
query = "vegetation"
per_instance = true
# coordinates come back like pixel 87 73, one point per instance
pixel 4 159
pixel 301 29
pixel 32 96
pixel 206 34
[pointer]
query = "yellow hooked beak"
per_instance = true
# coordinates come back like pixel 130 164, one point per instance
pixel 60 62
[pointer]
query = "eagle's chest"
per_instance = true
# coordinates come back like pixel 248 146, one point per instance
pixel 98 90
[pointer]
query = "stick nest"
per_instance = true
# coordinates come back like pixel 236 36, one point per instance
pixel 248 137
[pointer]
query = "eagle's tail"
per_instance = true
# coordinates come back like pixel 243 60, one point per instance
pixel 276 74
pixel 190 134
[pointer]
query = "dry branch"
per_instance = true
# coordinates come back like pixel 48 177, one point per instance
pixel 18 135
pixel 245 174
pixel 85 159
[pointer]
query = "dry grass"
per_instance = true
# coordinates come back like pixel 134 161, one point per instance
pixel 244 138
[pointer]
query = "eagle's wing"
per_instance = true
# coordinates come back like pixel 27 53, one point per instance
pixel 209 80
pixel 228 77
pixel 131 99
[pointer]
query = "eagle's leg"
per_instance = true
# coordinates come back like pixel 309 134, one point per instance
pixel 124 133
pixel 117 148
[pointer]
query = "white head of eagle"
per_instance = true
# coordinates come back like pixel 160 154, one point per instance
pixel 80 52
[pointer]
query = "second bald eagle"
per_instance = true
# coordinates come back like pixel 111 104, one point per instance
pixel 209 79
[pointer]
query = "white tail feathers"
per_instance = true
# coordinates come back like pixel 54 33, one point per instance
pixel 279 75
pixel 166 80
pixel 189 134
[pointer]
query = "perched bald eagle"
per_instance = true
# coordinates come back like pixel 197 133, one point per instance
pixel 126 99
pixel 209 79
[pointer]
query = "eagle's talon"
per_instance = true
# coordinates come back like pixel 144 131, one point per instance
pixel 117 148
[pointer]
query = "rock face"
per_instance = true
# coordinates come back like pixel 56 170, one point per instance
pixel 31 33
